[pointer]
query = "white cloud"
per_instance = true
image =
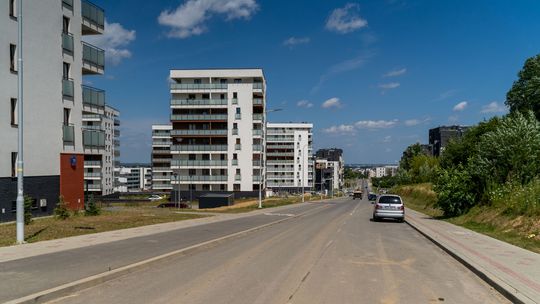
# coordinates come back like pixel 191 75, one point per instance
pixel 304 104
pixel 341 129
pixel 332 103
pixel 292 41
pixel 461 106
pixel 375 124
pixel 395 73
pixel 189 18
pixel 412 122
pixel 389 86
pixel 493 107
pixel 114 41
pixel 345 19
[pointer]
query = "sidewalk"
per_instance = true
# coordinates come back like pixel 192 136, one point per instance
pixel 513 271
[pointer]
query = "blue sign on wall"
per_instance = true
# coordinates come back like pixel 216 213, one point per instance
pixel 73 161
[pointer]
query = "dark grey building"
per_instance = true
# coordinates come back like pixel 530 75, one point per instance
pixel 440 137
pixel 332 154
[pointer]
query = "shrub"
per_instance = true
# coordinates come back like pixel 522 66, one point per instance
pixel 423 168
pixel 517 199
pixel 61 211
pixel 28 209
pixel 455 191
pixel 91 208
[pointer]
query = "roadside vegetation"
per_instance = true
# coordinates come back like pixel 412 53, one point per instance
pixel 489 179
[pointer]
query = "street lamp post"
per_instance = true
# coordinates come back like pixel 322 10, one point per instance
pixel 20 162
pixel 263 151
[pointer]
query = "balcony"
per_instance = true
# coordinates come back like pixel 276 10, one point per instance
pixel 199 148
pixel 93 127
pixel 256 178
pixel 257 101
pixel 198 163
pixel 161 160
pixel 199 178
pixel 68 89
pixel 92 117
pixel 198 102
pixel 93 139
pixel 201 117
pixel 278 139
pixel 92 187
pixel 257 132
pixel 237 177
pixel 257 147
pixel 256 163
pixel 93 97
pixel 280 146
pixel 68 4
pixel 257 117
pixel 67 42
pixel 238 147
pixel 116 122
pixel 68 134
pixel 234 131
pixel 234 101
pixel 257 86
pixel 92 164
pixel 93 18
pixel 280 161
pixel 198 86
pixel 93 59
pixel 237 116
pixel 218 132
pixel 234 162
pixel 280 154
pixel 92 175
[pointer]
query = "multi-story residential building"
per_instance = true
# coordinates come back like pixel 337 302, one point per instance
pixel 133 179
pixel 329 169
pixel 161 158
pixel 380 172
pixel 217 118
pixel 101 132
pixel 55 60
pixel 440 137
pixel 289 161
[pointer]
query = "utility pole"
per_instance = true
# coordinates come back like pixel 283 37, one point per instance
pixel 20 159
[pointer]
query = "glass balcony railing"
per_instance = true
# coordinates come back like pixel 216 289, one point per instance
pixel 199 132
pixel 92 174
pixel 94 117
pixel 199 117
pixel 199 148
pixel 280 161
pixel 93 97
pixel 68 134
pixel 93 56
pixel 198 163
pixel 257 132
pixel 280 153
pixel 199 86
pixel 238 147
pixel 198 102
pixel 234 162
pixel 257 117
pixel 256 163
pixel 257 85
pixel 200 178
pixel 68 3
pixel 67 42
pixel 256 178
pixel 93 139
pixel 257 147
pixel 237 177
pixel 68 89
pixel 93 14
pixel 257 101
pixel 234 101
pixel 234 131
pixel 92 163
pixel 238 116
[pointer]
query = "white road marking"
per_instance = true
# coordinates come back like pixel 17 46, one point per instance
pixel 280 214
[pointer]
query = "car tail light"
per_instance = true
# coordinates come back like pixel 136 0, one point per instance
pixel 401 207
pixel 378 206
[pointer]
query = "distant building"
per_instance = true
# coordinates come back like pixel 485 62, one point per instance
pixel 380 172
pixel 329 169
pixel 440 137
pixel 133 179
pixel 161 158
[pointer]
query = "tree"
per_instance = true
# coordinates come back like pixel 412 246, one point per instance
pixel 408 154
pixel 525 92
pixel 61 211
pixel 455 191
pixel 92 209
pixel 423 168
pixel 28 209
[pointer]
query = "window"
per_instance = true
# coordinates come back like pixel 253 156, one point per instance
pixel 67 114
pixel 65 24
pixel 235 156
pixel 238 80
pixel 12 8
pixel 235 125
pixel 222 96
pixel 234 95
pixel 223 81
pixel 12 57
pixel 191 96
pixel 237 110
pixel 236 187
pixel 66 70
pixel 13 164
pixel 13 111
pixel 205 96
pixel 238 141
pixel 197 81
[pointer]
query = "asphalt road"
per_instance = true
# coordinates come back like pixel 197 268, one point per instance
pixel 334 254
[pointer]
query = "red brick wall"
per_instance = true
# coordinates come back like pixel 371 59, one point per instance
pixel 72 180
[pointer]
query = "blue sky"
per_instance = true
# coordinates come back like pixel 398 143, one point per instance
pixel 373 76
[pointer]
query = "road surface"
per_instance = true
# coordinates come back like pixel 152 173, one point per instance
pixel 334 254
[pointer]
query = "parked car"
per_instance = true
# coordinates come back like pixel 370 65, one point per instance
pixel 155 197
pixel 389 206
pixel 372 197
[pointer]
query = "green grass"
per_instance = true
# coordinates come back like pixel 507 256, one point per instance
pixel 522 231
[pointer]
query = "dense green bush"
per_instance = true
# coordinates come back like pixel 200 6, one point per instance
pixel 455 191
pixel 92 208
pixel 517 199
pixel 423 168
pixel 61 211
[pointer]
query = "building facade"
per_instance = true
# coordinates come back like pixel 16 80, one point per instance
pixel 133 179
pixel 161 158
pixel 440 137
pixel 289 161
pixel 329 169
pixel 55 61
pixel 218 119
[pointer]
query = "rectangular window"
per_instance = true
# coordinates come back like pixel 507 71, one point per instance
pixel 237 110
pixel 235 95
pixel 12 57
pixel 197 81
pixel 13 111
pixel 238 80
pixel 67 114
pixel 12 8
pixel 65 72
pixel 65 24
pixel 13 164
pixel 235 125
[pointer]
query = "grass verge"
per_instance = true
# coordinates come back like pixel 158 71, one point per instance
pixel 522 231
pixel 114 219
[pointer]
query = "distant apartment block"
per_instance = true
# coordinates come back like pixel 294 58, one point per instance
pixel 133 179
pixel 161 158
pixel 289 161
pixel 329 169
pixel 55 61
pixel 217 118
pixel 440 137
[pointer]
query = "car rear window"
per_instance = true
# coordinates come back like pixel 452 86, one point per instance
pixel 389 200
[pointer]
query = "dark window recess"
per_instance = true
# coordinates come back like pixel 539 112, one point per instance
pixel 13 164
pixel 13 206
pixel 12 12
pixel 13 111
pixel 12 53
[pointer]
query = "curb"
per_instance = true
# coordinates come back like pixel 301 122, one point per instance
pixel 63 290
pixel 510 293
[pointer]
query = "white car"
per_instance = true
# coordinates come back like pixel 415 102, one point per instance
pixel 155 197
pixel 389 206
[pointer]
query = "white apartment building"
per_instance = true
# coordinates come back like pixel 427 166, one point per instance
pixel 55 60
pixel 161 158
pixel 380 172
pixel 217 118
pixel 289 157
pixel 133 179
pixel 101 132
